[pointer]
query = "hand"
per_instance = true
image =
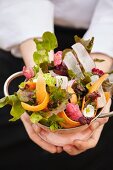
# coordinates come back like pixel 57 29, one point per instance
pixel 80 146
pixel 106 65
pixel 82 140
pixel 35 138
pixel 87 138
pixel 96 128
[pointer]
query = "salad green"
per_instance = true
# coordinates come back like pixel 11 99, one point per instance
pixel 60 93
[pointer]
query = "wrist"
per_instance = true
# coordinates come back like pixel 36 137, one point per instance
pixel 106 65
pixel 27 49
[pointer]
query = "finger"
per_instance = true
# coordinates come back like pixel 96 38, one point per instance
pixel 34 137
pixel 72 150
pixel 93 126
pixel 59 149
pixel 36 128
pixel 91 142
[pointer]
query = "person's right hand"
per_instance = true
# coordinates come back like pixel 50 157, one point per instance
pixel 78 141
pixel 29 126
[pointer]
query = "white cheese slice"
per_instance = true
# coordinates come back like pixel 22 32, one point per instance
pixel 83 57
pixel 62 81
pixel 71 62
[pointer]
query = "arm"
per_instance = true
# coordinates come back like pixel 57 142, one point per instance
pixel 101 50
pixel 96 128
pixel 106 65
pixel 101 28
pixel 27 49
pixel 20 22
pixel 23 20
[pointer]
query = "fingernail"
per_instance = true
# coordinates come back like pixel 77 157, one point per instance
pixel 69 148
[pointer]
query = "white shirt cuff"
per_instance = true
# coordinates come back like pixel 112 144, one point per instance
pixel 101 28
pixel 103 42
pixel 23 20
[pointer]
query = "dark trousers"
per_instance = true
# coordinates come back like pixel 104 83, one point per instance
pixel 17 151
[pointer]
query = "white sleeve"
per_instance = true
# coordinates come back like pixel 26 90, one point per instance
pixel 102 28
pixel 24 19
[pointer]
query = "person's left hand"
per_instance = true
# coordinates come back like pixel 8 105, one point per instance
pixel 80 146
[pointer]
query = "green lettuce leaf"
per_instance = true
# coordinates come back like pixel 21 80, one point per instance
pixel 16 110
pixel 54 122
pixel 50 81
pixel 55 126
pixel 48 43
pixel 4 101
pixel 35 117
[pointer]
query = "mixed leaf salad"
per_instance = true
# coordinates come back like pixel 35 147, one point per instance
pixel 63 89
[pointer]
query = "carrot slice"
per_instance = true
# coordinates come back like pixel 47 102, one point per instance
pixel 42 97
pixel 98 83
pixel 31 85
pixel 40 88
pixel 39 107
pixel 68 123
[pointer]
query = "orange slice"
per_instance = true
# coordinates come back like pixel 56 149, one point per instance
pixel 31 85
pixel 73 99
pixel 107 96
pixel 40 88
pixel 98 83
pixel 39 107
pixel 68 123
pixel 42 97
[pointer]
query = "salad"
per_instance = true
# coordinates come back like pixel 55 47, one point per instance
pixel 64 89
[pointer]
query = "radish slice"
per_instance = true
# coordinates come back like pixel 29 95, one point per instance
pixel 71 62
pixel 101 101
pixel 83 57
pixel 62 81
pixel 70 83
